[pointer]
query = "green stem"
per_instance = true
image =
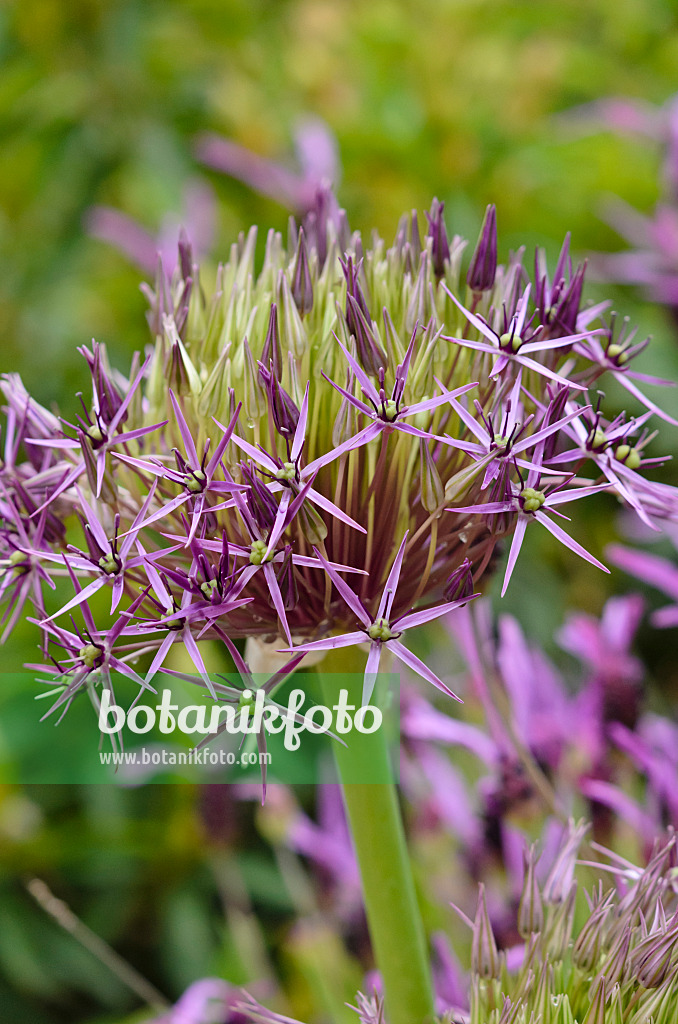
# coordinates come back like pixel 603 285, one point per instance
pixel 393 915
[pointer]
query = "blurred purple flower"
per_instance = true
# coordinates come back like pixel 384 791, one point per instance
pixel 197 220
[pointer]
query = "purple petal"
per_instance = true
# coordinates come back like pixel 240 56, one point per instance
pixel 262 458
pixel 479 324
pixel 213 463
pixel 189 445
pixel 516 544
pixel 129 396
pixel 300 432
pixel 349 597
pixel 331 643
pixel 568 541
pixel 334 510
pixel 401 652
pixel 388 595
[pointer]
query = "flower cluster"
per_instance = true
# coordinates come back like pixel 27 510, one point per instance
pixel 616 961
pixel 313 451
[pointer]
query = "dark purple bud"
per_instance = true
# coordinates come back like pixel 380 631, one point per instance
pixel 483 269
pixel 108 396
pixel 185 255
pixel 351 272
pixel 460 582
pixel 182 307
pixel 371 355
pixel 555 412
pixel 287 581
pixel 302 286
pixel 283 410
pixel 272 353
pixel 440 249
pixel 564 316
pixel 260 501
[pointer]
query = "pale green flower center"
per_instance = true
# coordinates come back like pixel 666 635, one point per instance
pixel 208 588
pixel 631 457
pixel 390 410
pixel 109 564
pixel 90 654
pixel 258 552
pixel 380 630
pixel 195 481
pixel 531 500
pixel 512 341
pixel 246 700
pixel 95 433
pixel 616 352
pixel 288 471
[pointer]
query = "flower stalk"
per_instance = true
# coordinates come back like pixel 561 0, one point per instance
pixel 393 915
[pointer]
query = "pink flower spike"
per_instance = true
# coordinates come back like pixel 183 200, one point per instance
pixel 568 541
pixel 401 652
pixel 351 599
pixel 213 463
pixel 388 595
pixel 355 402
pixel 366 384
pixel 516 544
pixel 300 432
pixel 185 432
pixel 129 396
pixel 371 671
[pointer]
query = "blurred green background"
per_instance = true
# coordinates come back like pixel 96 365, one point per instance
pixel 101 102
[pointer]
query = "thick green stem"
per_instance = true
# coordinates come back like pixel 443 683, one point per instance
pixel 393 915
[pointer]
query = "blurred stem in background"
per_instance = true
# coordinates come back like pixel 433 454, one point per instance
pixel 376 825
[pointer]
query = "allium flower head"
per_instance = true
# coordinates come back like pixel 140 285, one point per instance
pixel 311 450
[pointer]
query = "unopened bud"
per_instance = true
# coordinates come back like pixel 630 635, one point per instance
pixel 440 247
pixel 651 959
pixel 483 269
pixel 302 286
pixel 283 410
pixel 596 1011
pixel 484 953
pixel 591 939
pixel 460 582
pixel 530 909
pixel 432 493
pixel 272 353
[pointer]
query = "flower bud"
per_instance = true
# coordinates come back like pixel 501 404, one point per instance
pixel 530 909
pixel 484 953
pixel 591 939
pixel 650 960
pixel 272 354
pixel 260 502
pixel 564 317
pixel 596 1011
pixel 483 269
pixel 283 410
pixel 302 286
pixel 440 247
pixel 432 493
pixel 460 583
